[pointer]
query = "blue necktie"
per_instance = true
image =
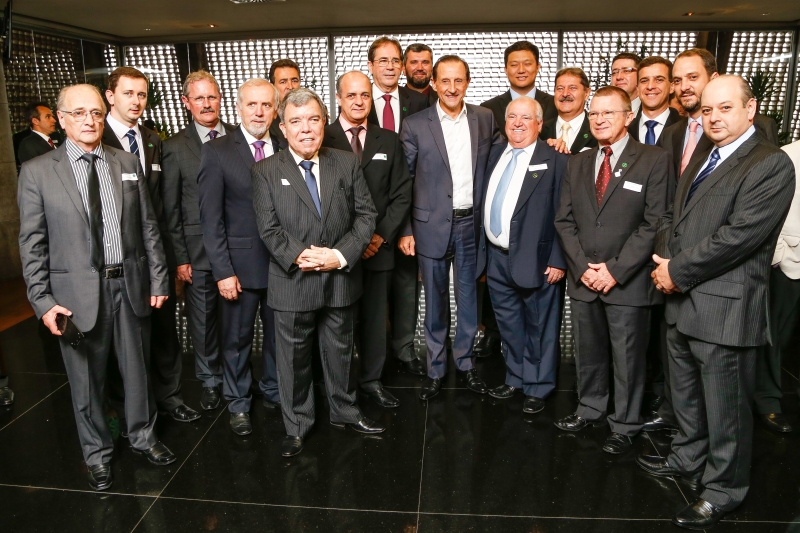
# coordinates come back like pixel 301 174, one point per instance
pixel 650 137
pixel 712 164
pixel 496 213
pixel 131 135
pixel 311 183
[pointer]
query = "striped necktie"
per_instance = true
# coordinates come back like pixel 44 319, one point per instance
pixel 131 135
pixel 712 164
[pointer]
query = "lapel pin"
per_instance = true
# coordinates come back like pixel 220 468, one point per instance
pixel 149 145
pixel 585 135
pixel 405 110
pixel 535 175
pixel 624 165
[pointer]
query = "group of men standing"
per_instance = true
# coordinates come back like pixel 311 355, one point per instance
pixel 663 225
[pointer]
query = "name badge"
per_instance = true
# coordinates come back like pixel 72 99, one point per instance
pixel 635 187
pixel 532 168
pixel 129 177
pixel 381 157
pixel 284 181
pixel 156 168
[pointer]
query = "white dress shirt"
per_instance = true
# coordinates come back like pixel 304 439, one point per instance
pixel 380 103
pixel 121 131
pixel 42 135
pixel 636 103
pixel 458 142
pixel 698 133
pixel 203 132
pixel 661 119
pixel 316 171
pixel 512 193
pixel 362 135
pixel 575 126
pixel 515 94
pixel 268 150
pixel 726 151
pixel 616 151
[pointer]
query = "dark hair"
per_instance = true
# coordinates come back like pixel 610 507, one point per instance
pixel 709 61
pixel 450 58
pixel 521 46
pixel 627 55
pixel 380 41
pixel 128 72
pixel 573 71
pixel 32 111
pixel 610 90
pixel 282 63
pixel 656 60
pixel 417 48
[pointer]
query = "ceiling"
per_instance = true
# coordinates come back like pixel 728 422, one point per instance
pixel 186 20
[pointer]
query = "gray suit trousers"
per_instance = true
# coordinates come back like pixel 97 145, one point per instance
pixel 117 328
pixel 294 334
pixel 712 388
pixel 201 306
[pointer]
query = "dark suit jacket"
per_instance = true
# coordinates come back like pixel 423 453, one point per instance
pixel 54 238
pixel 388 181
pixel 276 133
pixel 621 231
pixel 721 244
pixel 227 219
pixel 289 223
pixel 633 129
pixel 499 103
pixel 426 153
pixel 584 139
pixel 532 244
pixel 410 102
pixel 431 95
pixel 32 146
pixel 180 164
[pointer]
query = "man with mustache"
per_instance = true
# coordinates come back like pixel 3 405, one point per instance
pixel 418 65
pixel 624 74
pixel 569 132
pixel 655 88
pixel 239 260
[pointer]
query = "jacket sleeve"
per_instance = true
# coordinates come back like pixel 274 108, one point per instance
pixel 567 228
pixel 153 245
pixel 354 242
pixel 211 190
pixel 787 251
pixel 556 258
pixel 399 197
pixel 171 194
pixel 411 150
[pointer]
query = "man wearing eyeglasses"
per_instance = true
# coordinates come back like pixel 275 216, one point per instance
pixel 611 199
pixel 180 166
pixel 391 103
pixel 91 251
pixel 625 75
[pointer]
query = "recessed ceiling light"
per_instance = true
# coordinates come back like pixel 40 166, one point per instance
pixel 689 14
pixel 147 29
pixel 764 14
pixel 212 25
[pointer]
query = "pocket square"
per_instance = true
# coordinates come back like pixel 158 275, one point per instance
pixel 129 177
pixel 284 181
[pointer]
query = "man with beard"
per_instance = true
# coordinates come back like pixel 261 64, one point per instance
pixel 418 64
pixel 655 88
pixel 624 74
pixel 569 132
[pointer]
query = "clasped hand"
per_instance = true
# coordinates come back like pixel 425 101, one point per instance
pixel 661 278
pixel 598 278
pixel 317 259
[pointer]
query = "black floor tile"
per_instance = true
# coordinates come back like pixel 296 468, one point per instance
pixel 177 516
pixel 436 523
pixel 45 510
pixel 29 389
pixel 26 348
pixel 337 468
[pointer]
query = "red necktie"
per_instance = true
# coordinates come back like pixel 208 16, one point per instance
pixel 604 175
pixel 50 142
pixel 388 115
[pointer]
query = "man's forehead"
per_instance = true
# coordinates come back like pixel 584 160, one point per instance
pixel 82 99
pixel 127 82
pixel 307 110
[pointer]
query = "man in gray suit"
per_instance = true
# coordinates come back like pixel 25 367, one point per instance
pixel 714 251
pixel 180 165
pixel 91 250
pixel 316 217
pixel 611 199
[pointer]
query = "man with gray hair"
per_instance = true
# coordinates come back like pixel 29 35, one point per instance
pixel 239 260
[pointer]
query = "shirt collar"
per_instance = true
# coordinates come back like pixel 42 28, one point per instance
pixel 120 129
pixel 346 125
pixel 699 120
pixel 378 93
pixel 298 159
pixel 42 135
pixel 528 150
pixel 515 94
pixel 250 139
pixel 661 119
pixel 575 124
pixel 444 116
pixel 616 148
pixel 728 149
pixel 203 131
pixel 75 152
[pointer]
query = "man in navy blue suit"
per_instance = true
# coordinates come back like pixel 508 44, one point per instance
pixel 522 255
pixel 239 259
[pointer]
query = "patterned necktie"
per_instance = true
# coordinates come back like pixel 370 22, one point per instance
pixel 311 183
pixel 712 164
pixel 496 212
pixel 604 176
pixel 650 137
pixel 131 135
pixel 388 114
pixel 565 127
pixel 691 144
pixel 355 141
pixel 97 256
pixel 213 134
pixel 259 155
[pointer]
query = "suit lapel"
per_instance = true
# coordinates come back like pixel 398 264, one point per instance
pixel 530 182
pixel 624 163
pixel 149 152
pixel 115 169
pixel 326 186
pixel 588 175
pixel 243 148
pixel 192 139
pixel 110 138
pixel 372 144
pixel 294 175
pixel 403 98
pixel 438 135
pixel 473 135
pixel 583 137
pixel 63 169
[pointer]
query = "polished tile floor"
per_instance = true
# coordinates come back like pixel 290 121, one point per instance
pixel 459 463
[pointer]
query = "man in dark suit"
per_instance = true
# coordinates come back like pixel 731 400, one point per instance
pixel 386 173
pixel 447 148
pixel 91 250
pixel 521 254
pixel 655 88
pixel 127 94
pixel 316 217
pixel 180 164
pixel 569 132
pixel 611 199
pixel 239 260
pixel 714 251
pixel 284 74
pixel 418 66
pixel 43 125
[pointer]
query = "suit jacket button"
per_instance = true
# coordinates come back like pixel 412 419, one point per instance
pixel 324 243
pixel 93 270
pixel 599 225
pixel 675 234
pixel 448 220
pixel 449 195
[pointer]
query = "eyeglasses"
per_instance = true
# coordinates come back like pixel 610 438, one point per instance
pixel 80 114
pixel 200 99
pixel 626 70
pixel 608 115
pixel 384 62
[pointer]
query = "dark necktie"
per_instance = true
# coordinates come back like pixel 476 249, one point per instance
pixel 604 176
pixel 712 164
pixel 355 141
pixel 650 137
pixel 311 183
pixel 259 155
pixel 131 135
pixel 97 257
pixel 213 134
pixel 388 114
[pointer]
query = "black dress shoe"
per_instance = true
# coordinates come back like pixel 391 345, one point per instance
pixel 184 413
pixel 617 444
pixel 366 426
pixel 6 397
pixel 210 398
pixel 656 423
pixel 659 467
pixel 416 367
pixel 384 398
pixel 100 477
pixel 532 405
pixel 487 346
pixel 503 392
pixel 240 424
pixel 430 389
pixel 699 515
pixel 575 423
pixel 655 404
pixel 776 422
pixel 269 404
pixel 473 381
pixel 291 446
pixel 158 454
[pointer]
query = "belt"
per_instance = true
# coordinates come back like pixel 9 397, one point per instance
pixel 498 248
pixel 461 213
pixel 112 271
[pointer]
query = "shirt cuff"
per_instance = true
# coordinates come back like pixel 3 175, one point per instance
pixel 340 257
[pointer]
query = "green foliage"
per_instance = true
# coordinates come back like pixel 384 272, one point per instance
pixel 164 130
pixel 762 83
pixel 154 95
pixel 604 77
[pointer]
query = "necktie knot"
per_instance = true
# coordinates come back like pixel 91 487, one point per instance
pixel 356 130
pixel 89 157
pixel 306 164
pixel 387 98
pixel 213 134
pixel 131 134
pixel 650 136
pixel 515 153
pixel 565 127
pixel 693 125
pixel 607 151
pixel 714 156
pixel 259 145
